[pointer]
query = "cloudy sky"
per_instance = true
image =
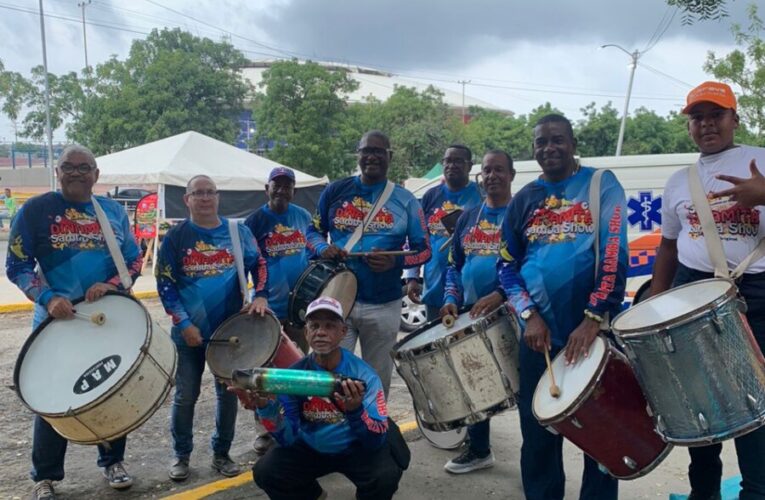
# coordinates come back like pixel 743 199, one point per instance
pixel 515 54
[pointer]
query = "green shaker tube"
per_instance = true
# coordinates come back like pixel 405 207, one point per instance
pixel 290 382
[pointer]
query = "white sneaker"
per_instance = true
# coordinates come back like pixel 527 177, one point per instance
pixel 468 462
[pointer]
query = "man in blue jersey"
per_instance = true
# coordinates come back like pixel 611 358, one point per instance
pixel 471 279
pixel 343 206
pixel 199 287
pixel 347 433
pixel 59 232
pixel 456 192
pixel 280 228
pixel 547 268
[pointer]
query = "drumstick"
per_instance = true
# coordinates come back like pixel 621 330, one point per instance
pixel 383 252
pixel 98 318
pixel 447 320
pixel 554 389
pixel 233 340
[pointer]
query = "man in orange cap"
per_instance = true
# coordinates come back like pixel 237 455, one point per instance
pixel 683 257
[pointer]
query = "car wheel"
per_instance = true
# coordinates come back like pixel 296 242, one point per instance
pixel 413 315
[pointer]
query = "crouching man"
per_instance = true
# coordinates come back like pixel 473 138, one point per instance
pixel 348 433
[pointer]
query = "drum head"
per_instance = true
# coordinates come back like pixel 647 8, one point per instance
pixel 436 330
pixel 446 440
pixel 671 305
pixel 343 288
pixel 573 381
pixel 257 340
pixel 69 363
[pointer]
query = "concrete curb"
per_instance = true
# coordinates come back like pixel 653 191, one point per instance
pixel 28 306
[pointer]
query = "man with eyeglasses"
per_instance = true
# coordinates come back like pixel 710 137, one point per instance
pixel 343 206
pixel 280 227
pixel 456 192
pixel 198 284
pixel 59 233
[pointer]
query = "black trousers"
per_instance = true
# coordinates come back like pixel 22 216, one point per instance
pixel 290 472
pixel 705 470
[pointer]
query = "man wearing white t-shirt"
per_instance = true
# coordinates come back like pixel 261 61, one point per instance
pixel 683 258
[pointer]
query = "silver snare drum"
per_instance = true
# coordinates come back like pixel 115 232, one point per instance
pixel 463 374
pixel 697 362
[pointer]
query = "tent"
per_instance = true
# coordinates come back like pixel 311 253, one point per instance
pixel 170 163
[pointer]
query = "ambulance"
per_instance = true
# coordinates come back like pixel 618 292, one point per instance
pixel 643 178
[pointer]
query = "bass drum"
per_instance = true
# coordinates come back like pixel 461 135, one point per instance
pixel 95 381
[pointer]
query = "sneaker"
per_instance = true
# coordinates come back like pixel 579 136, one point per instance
pixel 263 443
pixel 118 477
pixel 226 466
pixel 179 471
pixel 468 462
pixel 43 490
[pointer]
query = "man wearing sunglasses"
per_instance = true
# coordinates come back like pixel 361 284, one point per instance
pixel 59 233
pixel 343 206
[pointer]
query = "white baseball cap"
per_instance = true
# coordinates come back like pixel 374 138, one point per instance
pixel 325 304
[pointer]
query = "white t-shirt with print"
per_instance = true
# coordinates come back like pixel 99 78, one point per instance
pixel 739 228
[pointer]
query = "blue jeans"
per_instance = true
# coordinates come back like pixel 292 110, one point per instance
pixel 705 469
pixel 479 438
pixel 188 379
pixel 542 451
pixel 49 449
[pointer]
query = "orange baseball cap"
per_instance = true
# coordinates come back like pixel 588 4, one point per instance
pixel 715 92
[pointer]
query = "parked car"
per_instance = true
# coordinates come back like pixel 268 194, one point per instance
pixel 413 315
pixel 128 197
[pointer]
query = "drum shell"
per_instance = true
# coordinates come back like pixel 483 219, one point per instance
pixel 130 402
pixel 287 354
pixel 459 379
pixel 610 421
pixel 703 373
pixel 313 284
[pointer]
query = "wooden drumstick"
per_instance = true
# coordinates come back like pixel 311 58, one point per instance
pixel 98 318
pixel 233 340
pixel 554 389
pixel 447 320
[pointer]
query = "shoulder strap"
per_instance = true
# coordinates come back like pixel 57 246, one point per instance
pixel 111 244
pixel 708 226
pixel 236 247
pixel 379 203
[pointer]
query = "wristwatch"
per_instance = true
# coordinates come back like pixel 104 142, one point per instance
pixel 527 313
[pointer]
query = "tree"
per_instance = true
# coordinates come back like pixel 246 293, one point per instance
pixel 301 111
pixel 171 82
pixel 66 101
pixel 745 68
pixel 14 91
pixel 700 9
pixel 490 129
pixel 598 132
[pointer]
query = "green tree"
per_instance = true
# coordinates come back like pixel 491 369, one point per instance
pixel 489 129
pixel 14 91
pixel 598 132
pixel 700 9
pixel 745 67
pixel 302 110
pixel 66 102
pixel 171 82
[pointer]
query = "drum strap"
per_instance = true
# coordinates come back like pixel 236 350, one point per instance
pixel 594 201
pixel 379 203
pixel 236 247
pixel 111 244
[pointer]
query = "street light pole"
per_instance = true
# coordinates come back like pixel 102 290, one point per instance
pixel 82 5
pixel 634 56
pixel 48 130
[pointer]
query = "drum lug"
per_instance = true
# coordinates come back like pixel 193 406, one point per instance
pixel 576 423
pixel 629 462
pixel 667 340
pixel 752 402
pixel 660 425
pixel 703 421
pixel 648 410
pixel 717 321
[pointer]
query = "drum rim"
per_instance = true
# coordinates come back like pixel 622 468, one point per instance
pixel 577 403
pixel 508 403
pixel 648 468
pixel 116 387
pixel 688 317
pixel 336 267
pixel 460 431
pixel 397 352
pixel 231 319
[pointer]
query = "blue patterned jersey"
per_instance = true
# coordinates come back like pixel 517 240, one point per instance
pixel 547 256
pixel 436 203
pixel 472 271
pixel 196 275
pixel 282 241
pixel 322 423
pixel 343 206
pixel 65 239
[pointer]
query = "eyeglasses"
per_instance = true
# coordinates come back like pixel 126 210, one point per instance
pixel 82 168
pixel 457 162
pixel 207 193
pixel 369 151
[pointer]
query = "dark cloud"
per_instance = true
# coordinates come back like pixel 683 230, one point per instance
pixel 418 34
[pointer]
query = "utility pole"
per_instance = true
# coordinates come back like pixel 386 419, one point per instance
pixel 48 130
pixel 82 5
pixel 634 56
pixel 463 83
